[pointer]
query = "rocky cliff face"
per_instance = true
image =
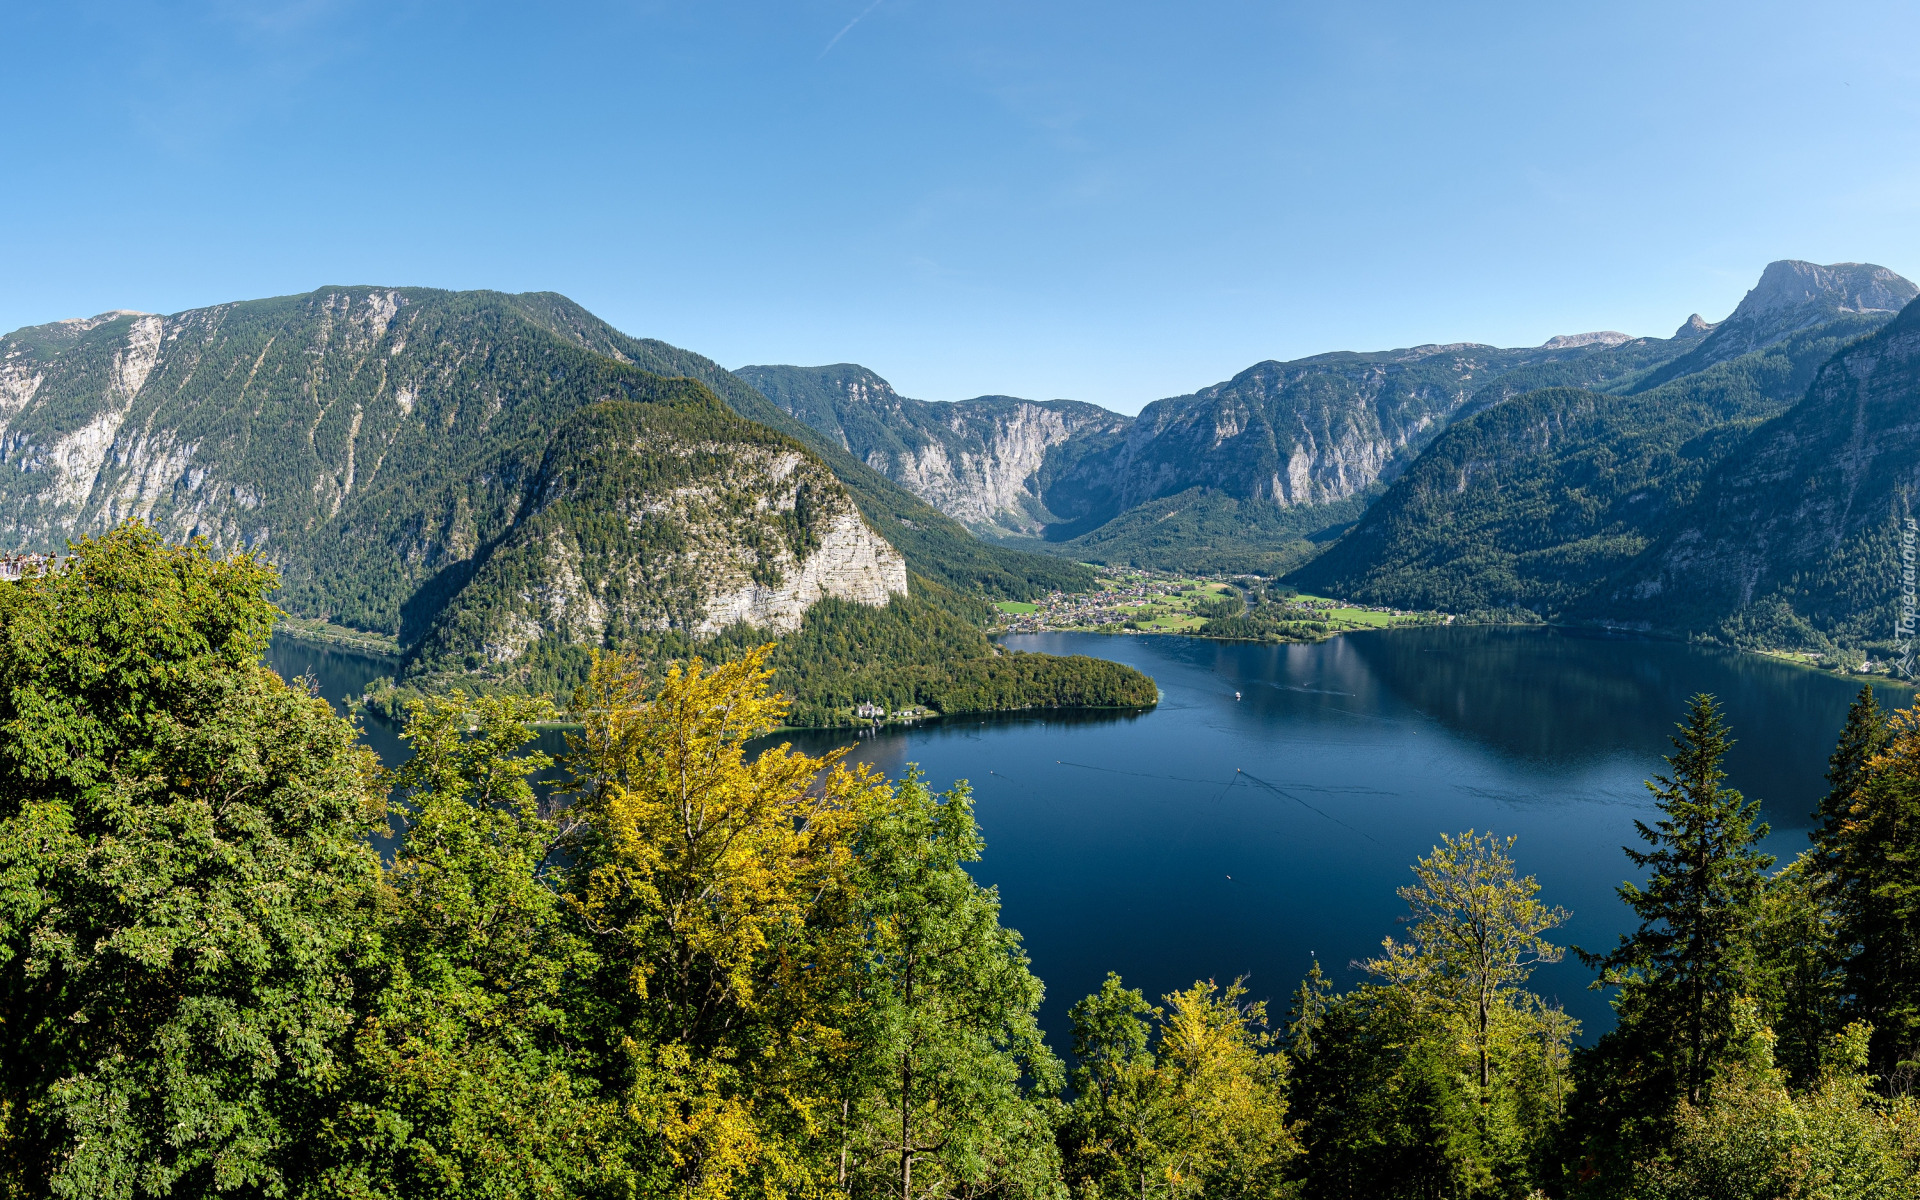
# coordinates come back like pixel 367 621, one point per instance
pixel 984 461
pixel 673 517
pixel 850 563
pixel 1316 431
pixel 396 450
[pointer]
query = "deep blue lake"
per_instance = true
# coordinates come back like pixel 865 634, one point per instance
pixel 1214 837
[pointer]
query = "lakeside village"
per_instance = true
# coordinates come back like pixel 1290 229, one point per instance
pixel 1143 601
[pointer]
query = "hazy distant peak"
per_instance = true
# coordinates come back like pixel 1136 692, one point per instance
pixel 83 324
pixel 1694 326
pixel 1416 353
pixel 1568 341
pixel 1790 285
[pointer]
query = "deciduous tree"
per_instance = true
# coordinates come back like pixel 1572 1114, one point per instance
pixel 960 1075
pixel 183 874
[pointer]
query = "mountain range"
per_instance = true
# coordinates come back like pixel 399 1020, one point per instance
pixel 1246 474
pixel 1460 477
pixel 501 483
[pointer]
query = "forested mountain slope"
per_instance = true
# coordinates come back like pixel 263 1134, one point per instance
pixel 294 420
pixel 985 461
pixel 1533 502
pixel 1796 540
pixel 487 478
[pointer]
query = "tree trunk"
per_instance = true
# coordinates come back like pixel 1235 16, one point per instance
pixel 1483 1049
pixel 906 1103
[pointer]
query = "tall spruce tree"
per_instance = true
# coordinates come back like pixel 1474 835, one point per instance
pixel 1810 915
pixel 1874 884
pixel 1864 736
pixel 1683 971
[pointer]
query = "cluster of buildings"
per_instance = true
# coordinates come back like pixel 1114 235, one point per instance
pixel 866 710
pixel 1111 607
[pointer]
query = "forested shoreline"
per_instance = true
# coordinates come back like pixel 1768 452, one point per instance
pixel 695 973
pixel 922 650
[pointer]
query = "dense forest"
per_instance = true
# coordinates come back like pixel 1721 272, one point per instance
pixel 925 650
pixel 692 972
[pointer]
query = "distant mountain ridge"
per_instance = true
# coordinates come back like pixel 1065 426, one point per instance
pixel 1261 471
pixel 1254 467
pixel 985 461
pixel 1682 500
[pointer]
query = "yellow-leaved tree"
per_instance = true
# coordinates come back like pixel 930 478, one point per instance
pixel 1199 1110
pixel 718 885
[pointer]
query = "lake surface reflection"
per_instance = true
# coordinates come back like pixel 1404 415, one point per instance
pixel 1211 838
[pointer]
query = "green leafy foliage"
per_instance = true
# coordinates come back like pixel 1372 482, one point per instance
pixel 1203 1113
pixel 183 879
pixel 470 1073
pixel 1446 1076
pixel 958 1071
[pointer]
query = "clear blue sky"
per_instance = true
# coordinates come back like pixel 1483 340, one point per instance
pixel 1111 201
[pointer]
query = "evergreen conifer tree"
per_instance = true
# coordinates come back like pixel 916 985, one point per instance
pixel 1874 884
pixel 1863 736
pixel 1684 970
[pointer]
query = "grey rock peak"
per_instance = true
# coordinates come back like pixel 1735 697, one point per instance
pixel 1694 326
pixel 1792 286
pixel 1604 337
pixel 1792 296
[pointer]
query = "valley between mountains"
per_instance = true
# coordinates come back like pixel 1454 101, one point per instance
pixel 1598 479
pixel 495 486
